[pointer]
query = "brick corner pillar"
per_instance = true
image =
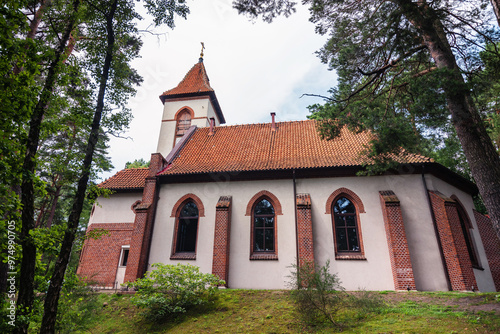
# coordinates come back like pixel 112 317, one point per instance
pixel 220 263
pixel 144 221
pixel 491 245
pixel 402 271
pixel 305 242
pixel 456 254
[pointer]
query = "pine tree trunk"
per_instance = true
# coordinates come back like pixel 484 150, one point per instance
pixel 48 224
pixel 56 282
pixel 496 9
pixel 26 282
pixel 481 155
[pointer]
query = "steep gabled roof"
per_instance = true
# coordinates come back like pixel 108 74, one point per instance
pixel 126 179
pixel 195 81
pixel 255 147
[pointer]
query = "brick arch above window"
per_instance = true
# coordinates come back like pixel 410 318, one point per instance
pixel 275 202
pixel 348 193
pixel 184 199
pixel 181 110
pixel 461 207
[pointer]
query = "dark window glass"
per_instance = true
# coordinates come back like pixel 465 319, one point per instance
pixel 346 228
pixel 468 238
pixel 187 228
pixel 263 227
pixel 124 257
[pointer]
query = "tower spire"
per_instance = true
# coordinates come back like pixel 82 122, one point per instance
pixel 201 53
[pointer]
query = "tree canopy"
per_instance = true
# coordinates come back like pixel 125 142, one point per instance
pixel 410 72
pixel 66 79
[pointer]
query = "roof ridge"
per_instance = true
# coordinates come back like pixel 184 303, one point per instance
pixel 261 124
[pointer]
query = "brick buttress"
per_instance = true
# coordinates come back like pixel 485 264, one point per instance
pixel 144 220
pixel 402 271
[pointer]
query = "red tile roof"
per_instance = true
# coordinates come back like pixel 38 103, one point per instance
pixel 254 147
pixel 195 81
pixel 132 178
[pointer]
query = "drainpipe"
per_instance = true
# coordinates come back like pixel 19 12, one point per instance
pixel 296 220
pixel 436 230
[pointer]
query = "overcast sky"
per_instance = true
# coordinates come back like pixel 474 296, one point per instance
pixel 254 68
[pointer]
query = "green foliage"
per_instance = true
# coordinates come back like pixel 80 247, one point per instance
pixel 268 10
pixel 137 163
pixel 317 293
pixel 321 299
pixel 80 305
pixel 172 289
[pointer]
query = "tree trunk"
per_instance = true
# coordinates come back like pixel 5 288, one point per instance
pixel 56 282
pixel 48 224
pixel 37 18
pixel 496 9
pixel 481 155
pixel 26 281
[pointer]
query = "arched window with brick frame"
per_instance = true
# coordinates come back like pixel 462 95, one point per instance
pixel 187 212
pixel 466 226
pixel 263 209
pixel 345 206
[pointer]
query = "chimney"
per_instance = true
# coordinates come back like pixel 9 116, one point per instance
pixel 212 126
pixel 273 122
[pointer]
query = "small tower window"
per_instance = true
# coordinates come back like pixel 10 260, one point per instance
pixel 183 123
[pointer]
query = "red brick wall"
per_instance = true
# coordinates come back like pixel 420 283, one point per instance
pixel 304 230
pixel 220 263
pixel 144 221
pixel 99 258
pixel 402 271
pixel 491 246
pixel 452 240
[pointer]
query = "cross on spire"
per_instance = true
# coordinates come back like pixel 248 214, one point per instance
pixel 201 53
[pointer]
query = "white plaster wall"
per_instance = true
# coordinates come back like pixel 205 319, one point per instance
pixel 243 273
pixel 115 209
pixel 374 273
pixel 484 279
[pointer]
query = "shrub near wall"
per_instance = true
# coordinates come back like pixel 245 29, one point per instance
pixel 172 289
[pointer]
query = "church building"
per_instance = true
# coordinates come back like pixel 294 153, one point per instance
pixel 246 202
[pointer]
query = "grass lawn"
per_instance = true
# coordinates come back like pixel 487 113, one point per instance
pixel 273 311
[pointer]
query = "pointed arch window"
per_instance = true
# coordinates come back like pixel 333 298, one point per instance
pixel 466 226
pixel 264 238
pixel 186 231
pixel 346 229
pixel 183 123
pixel 263 218
pixel 346 226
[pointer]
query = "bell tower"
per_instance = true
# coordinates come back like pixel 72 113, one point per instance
pixel 192 102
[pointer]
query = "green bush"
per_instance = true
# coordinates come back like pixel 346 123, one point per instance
pixel 172 289
pixel 78 307
pixel 317 293
pixel 321 300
